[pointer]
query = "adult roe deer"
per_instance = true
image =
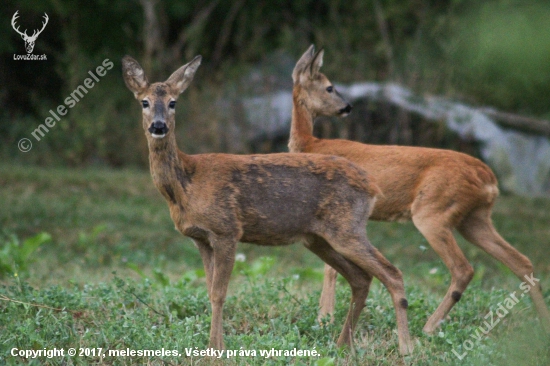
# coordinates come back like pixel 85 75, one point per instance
pixel 439 190
pixel 278 199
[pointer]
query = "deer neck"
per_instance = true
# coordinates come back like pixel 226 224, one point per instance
pixel 301 129
pixel 169 168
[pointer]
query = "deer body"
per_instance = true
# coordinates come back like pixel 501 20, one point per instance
pixel 278 199
pixel 258 199
pixel 467 181
pixel 439 190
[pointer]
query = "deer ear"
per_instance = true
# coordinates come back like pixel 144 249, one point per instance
pixel 316 63
pixel 302 63
pixel 182 77
pixel 133 75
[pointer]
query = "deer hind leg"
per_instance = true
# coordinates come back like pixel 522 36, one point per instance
pixel 358 250
pixel 223 250
pixel 478 229
pixel 359 282
pixel 326 301
pixel 439 235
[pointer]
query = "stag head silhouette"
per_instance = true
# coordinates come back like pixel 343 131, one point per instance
pixel 29 40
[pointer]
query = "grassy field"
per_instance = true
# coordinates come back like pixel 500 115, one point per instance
pixel 90 259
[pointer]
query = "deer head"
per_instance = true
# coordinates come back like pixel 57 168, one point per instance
pixel 29 41
pixel 314 90
pixel 158 100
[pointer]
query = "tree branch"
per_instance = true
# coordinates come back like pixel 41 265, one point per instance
pixel 183 36
pixel 226 30
pixel 522 123
pixel 385 34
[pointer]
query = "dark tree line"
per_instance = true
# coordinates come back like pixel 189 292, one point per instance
pixel 436 46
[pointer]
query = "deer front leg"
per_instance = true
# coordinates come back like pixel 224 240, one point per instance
pixel 207 255
pixel 224 258
pixel 326 302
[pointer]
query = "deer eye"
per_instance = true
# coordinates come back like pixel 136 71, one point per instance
pixel 145 104
pixel 172 104
pixel 330 89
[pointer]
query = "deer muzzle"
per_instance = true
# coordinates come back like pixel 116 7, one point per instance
pixel 345 111
pixel 158 129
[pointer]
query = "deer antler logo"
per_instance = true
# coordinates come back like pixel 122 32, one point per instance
pixel 29 41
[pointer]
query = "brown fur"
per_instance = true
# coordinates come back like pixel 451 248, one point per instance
pixel 439 190
pixel 279 199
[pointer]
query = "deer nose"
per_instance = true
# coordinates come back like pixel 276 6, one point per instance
pixel 346 110
pixel 158 129
pixel 159 124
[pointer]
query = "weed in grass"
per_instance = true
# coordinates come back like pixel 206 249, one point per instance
pixel 16 256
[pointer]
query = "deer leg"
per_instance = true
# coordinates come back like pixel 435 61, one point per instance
pixel 359 251
pixel 207 260
pixel 356 277
pixel 326 301
pixel 224 259
pixel 478 229
pixel 442 241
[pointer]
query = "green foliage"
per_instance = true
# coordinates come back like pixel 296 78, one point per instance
pixel 487 53
pixel 501 49
pixel 105 220
pixel 325 362
pixel 125 313
pixel 16 256
pixel 258 268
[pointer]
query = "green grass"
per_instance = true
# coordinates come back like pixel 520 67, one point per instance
pixel 115 275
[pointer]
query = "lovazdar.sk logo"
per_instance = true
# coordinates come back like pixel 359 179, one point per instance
pixel 29 40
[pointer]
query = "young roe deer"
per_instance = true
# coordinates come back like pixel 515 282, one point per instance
pixel 278 199
pixel 439 190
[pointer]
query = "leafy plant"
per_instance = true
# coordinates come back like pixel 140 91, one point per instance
pixel 86 240
pixel 15 256
pixel 257 268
